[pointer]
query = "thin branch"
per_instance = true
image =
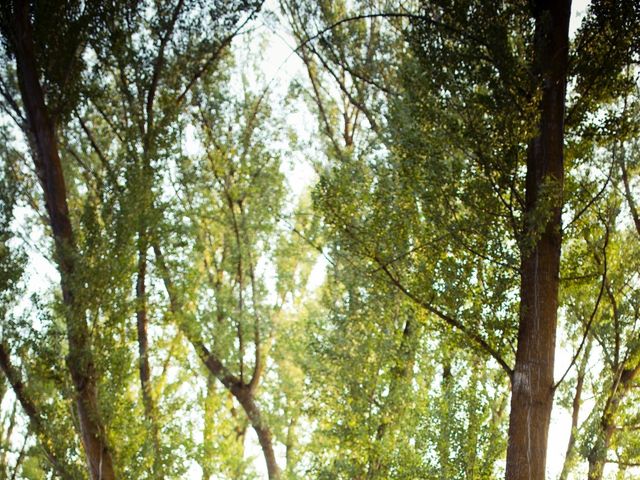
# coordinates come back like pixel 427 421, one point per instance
pixel 15 113
pixel 158 65
pixel 215 55
pixel 629 194
pixel 20 458
pixel 593 313
pixel 593 199
pixel 481 342
pixel 108 121
pixel 622 463
pixel 341 84
pixel 213 363
pixel 365 16
pixel 13 376
pixel 318 100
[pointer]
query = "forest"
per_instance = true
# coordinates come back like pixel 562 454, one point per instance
pixel 319 239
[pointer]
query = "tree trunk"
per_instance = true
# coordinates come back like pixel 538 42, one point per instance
pixel 209 425
pixel 575 414
pixel 247 400
pixel 532 382
pixel 598 454
pixel 36 423
pixel 392 409
pixel 143 351
pixel 49 170
pixel 243 392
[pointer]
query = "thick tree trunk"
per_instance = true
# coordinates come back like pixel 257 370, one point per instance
pixel 532 396
pixel 50 174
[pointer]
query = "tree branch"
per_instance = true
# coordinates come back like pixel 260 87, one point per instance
pixel 593 313
pixel 474 336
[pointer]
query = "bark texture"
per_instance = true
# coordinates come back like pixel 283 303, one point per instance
pixel 49 169
pixel 532 381
pixel 142 322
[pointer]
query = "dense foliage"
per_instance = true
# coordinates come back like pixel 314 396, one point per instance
pixel 401 265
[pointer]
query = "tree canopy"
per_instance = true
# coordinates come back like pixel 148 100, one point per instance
pixel 300 239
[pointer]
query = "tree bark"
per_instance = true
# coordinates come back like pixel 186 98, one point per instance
pixel 245 396
pixel 598 454
pixel 532 381
pixel 49 169
pixel 142 322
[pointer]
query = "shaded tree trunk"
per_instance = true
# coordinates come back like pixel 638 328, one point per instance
pixel 532 396
pixel 598 454
pixel 142 322
pixel 49 169
pixel 245 397
pixel 575 414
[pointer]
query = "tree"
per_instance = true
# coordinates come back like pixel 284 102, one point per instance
pixel 232 194
pixel 50 43
pixel 476 127
pixel 19 34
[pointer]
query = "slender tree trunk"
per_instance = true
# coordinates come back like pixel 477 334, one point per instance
pixel 444 447
pixel 291 443
pixel 6 442
pixel 142 322
pixel 208 427
pixel 36 422
pixel 265 437
pixel 50 174
pixel 20 459
pixel 243 392
pixel 532 395
pixel 598 454
pixel 402 374
pixel 575 414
